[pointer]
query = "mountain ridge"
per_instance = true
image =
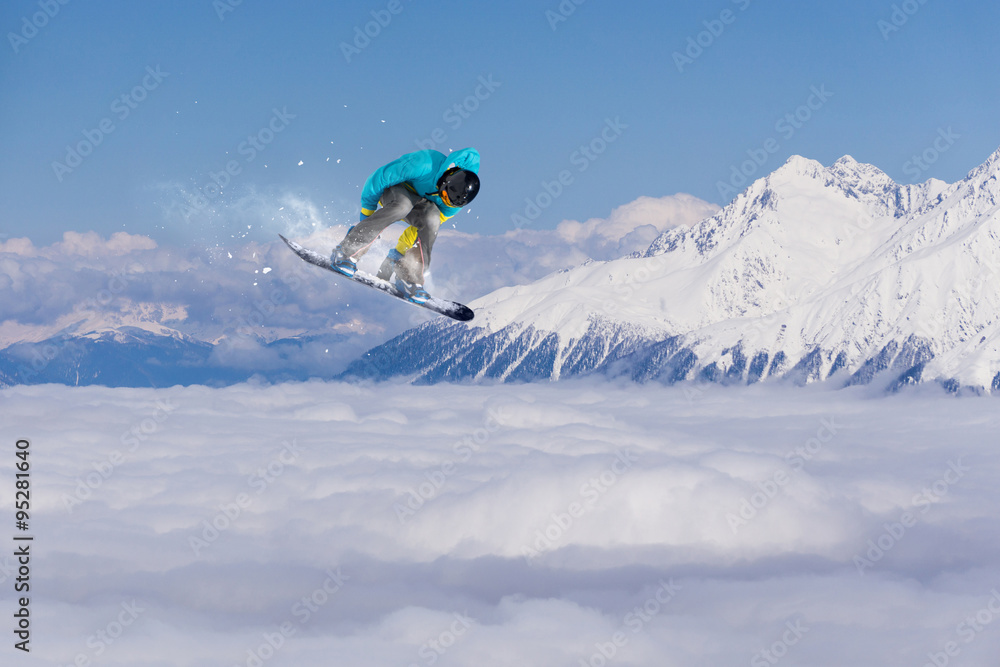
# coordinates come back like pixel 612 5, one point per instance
pixel 810 272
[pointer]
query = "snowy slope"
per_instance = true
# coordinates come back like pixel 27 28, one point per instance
pixel 809 272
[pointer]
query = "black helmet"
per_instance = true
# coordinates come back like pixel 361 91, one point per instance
pixel 458 187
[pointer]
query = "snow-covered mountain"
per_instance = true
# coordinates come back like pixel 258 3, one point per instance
pixel 811 272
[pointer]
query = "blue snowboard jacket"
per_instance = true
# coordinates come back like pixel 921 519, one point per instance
pixel 420 172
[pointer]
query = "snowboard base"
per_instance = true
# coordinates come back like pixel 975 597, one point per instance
pixel 452 309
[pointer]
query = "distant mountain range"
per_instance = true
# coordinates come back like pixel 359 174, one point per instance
pixel 135 357
pixel 811 274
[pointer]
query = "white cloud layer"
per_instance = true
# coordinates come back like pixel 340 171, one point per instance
pixel 529 525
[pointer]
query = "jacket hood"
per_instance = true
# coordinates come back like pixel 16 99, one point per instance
pixel 465 158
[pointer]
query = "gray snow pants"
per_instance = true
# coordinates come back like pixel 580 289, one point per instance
pixel 398 203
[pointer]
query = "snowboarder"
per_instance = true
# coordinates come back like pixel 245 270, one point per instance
pixel 423 188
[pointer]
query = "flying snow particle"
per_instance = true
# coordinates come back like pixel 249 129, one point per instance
pixel 267 269
pixel 301 163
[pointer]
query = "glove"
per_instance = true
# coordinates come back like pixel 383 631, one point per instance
pixel 365 213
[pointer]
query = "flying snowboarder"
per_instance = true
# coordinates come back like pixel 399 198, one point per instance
pixel 424 189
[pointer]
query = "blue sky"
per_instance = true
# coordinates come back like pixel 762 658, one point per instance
pixel 225 72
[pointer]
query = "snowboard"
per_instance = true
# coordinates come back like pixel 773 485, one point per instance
pixel 456 311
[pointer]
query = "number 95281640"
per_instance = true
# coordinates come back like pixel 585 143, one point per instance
pixel 22 484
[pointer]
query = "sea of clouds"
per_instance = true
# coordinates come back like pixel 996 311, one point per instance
pixel 557 525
